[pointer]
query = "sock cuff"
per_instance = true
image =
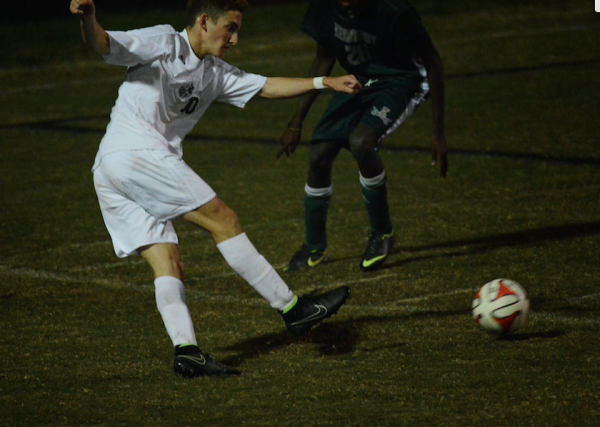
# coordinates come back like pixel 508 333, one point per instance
pixel 167 280
pixel 168 290
pixel 289 306
pixel 369 183
pixel 235 244
pixel 237 249
pixel 318 192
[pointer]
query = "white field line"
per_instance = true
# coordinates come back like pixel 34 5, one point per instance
pixel 193 293
pixel 304 290
pixel 63 278
pixel 411 304
pixel 584 297
pixel 106 266
pixel 184 232
pixel 268 60
pixel 105 242
pixel 406 305
pixel 576 321
pixel 438 295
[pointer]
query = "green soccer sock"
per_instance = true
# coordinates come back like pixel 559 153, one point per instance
pixel 375 198
pixel 315 220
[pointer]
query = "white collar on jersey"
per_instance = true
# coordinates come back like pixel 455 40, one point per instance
pixel 192 60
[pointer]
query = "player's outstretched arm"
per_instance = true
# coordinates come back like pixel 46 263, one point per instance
pixel 92 33
pixel 288 87
pixel 435 76
pixel 321 66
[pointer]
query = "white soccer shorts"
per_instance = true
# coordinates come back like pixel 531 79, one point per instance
pixel 141 192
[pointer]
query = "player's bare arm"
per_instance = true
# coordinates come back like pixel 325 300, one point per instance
pixel 321 66
pixel 288 87
pixel 92 33
pixel 435 77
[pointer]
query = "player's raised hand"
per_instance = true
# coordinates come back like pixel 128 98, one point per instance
pixel 347 84
pixel 439 154
pixel 82 8
pixel 288 141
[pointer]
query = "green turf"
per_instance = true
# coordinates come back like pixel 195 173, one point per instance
pixel 82 344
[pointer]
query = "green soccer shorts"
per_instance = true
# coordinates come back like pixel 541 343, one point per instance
pixel 383 104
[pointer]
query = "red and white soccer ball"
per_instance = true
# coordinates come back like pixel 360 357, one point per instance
pixel 501 306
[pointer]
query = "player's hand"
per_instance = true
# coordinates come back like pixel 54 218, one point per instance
pixel 439 154
pixel 288 141
pixel 82 8
pixel 347 84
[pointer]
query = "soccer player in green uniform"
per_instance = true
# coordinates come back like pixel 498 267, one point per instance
pixel 384 44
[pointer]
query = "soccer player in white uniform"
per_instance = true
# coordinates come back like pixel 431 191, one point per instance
pixel 143 184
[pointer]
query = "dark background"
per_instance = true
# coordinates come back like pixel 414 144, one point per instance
pixel 32 11
pixel 45 10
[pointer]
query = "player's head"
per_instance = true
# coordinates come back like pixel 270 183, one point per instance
pixel 213 25
pixel 213 8
pixel 350 4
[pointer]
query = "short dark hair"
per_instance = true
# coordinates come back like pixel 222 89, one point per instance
pixel 213 8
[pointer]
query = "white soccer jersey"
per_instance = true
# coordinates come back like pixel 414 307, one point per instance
pixel 167 89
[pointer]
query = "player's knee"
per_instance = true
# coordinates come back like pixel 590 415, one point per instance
pixel 164 259
pixel 232 221
pixel 229 224
pixel 178 266
pixel 173 267
pixel 217 218
pixel 318 163
pixel 362 147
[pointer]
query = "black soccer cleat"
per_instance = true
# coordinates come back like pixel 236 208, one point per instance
pixel 305 259
pixel 191 362
pixel 310 311
pixel 378 249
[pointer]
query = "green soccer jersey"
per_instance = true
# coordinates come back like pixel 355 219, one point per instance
pixel 377 41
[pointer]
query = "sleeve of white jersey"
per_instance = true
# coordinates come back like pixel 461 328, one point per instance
pixel 131 48
pixel 237 87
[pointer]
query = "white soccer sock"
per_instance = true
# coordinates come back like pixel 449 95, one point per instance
pixel 170 300
pixel 243 257
pixel 371 183
pixel 318 192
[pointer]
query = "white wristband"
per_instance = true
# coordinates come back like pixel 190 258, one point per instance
pixel 318 83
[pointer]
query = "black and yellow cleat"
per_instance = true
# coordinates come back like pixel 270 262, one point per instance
pixel 378 249
pixel 305 259
pixel 311 310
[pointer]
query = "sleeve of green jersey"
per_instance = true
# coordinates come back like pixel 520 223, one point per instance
pixel 410 29
pixel 311 24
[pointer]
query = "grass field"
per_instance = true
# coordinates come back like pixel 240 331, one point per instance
pixel 81 341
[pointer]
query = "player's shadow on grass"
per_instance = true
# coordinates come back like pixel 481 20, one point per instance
pixel 340 338
pixel 330 338
pixel 481 245
pixel 466 247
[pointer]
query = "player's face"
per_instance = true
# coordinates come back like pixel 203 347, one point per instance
pixel 350 4
pixel 224 33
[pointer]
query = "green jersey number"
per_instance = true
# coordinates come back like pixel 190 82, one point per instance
pixel 358 54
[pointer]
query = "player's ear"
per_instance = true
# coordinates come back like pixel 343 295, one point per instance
pixel 202 21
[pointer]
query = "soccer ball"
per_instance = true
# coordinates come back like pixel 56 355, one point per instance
pixel 500 306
